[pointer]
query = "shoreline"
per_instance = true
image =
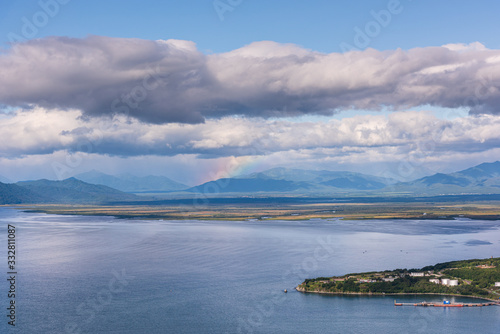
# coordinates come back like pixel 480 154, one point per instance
pixel 221 214
pixel 379 294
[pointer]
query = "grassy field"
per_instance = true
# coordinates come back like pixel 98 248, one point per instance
pixel 285 211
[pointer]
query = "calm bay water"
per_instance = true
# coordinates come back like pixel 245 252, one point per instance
pixel 105 275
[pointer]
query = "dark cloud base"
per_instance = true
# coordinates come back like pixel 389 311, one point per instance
pixel 171 81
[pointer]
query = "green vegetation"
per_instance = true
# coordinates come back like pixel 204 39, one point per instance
pixel 475 278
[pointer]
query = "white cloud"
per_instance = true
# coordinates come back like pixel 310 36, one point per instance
pixel 475 46
pixel 172 82
pixel 110 99
pixel 40 131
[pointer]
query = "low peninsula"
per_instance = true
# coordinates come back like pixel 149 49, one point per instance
pixel 468 278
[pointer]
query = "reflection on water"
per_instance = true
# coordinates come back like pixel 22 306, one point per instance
pixel 105 275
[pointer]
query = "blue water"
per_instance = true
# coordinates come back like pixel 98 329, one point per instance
pixel 105 275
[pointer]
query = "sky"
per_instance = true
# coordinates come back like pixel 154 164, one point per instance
pixel 198 90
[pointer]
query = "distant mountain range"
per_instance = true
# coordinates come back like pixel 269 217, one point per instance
pixel 69 191
pixel 280 180
pixel 481 179
pixel 132 184
pixel 484 178
pixel 3 179
pixel 14 194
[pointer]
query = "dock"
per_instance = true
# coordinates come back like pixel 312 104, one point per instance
pixel 446 304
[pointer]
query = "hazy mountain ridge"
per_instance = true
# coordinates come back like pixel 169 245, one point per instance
pixel 14 194
pixel 3 179
pixel 296 181
pixel 481 179
pixel 131 183
pixel 74 191
pixel 321 176
pixel 248 185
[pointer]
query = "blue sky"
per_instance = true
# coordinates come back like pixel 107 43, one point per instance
pixel 224 102
pixel 320 25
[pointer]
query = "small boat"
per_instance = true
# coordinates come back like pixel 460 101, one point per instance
pixel 285 291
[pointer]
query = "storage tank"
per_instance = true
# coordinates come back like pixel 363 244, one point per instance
pixel 445 281
pixel 453 282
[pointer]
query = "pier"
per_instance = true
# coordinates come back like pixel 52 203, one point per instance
pixel 444 304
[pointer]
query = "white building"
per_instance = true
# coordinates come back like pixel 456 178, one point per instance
pixel 497 284
pixel 446 281
pixel 388 279
pixel 367 281
pixel 417 274
pixel 435 280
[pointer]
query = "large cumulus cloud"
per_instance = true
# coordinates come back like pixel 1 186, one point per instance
pixel 172 82
pixel 38 131
pixel 151 81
